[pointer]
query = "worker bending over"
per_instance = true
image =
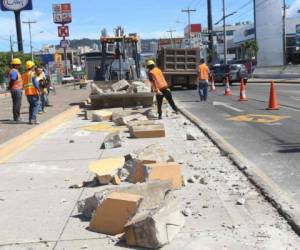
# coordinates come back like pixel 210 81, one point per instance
pixel 160 87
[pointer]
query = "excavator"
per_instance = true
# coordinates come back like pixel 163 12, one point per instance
pixel 126 62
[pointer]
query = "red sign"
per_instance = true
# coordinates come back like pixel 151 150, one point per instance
pixel 66 8
pixel 63 31
pixel 62 13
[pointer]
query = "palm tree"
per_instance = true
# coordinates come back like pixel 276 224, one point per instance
pixel 251 49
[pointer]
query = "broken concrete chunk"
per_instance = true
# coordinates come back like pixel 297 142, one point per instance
pixel 154 153
pixel 101 115
pixel 156 228
pixel 191 137
pixel 120 85
pixel 112 140
pixel 116 180
pixel 187 212
pixel 150 201
pixel 124 120
pixel 241 201
pixel 141 123
pixel 113 213
pixel 147 131
pixel 106 169
pixel 95 89
pixel 164 171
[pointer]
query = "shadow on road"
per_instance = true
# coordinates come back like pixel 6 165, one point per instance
pixel 289 148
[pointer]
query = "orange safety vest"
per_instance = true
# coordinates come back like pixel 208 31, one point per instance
pixel 28 84
pixel 158 80
pixel 16 84
pixel 203 72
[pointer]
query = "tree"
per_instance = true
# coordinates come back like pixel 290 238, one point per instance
pixel 251 48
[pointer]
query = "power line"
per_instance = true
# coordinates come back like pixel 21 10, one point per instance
pixel 189 11
pixel 171 35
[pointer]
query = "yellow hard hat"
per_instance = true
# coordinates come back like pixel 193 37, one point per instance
pixel 29 64
pixel 16 61
pixel 150 63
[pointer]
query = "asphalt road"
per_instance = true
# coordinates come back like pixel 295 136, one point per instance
pixel 270 139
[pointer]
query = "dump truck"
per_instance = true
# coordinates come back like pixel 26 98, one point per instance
pixel 179 66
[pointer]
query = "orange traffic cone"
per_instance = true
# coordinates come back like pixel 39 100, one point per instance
pixel 227 88
pixel 243 96
pixel 212 85
pixel 273 103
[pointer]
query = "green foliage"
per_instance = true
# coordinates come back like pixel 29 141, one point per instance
pixel 251 48
pixel 5 59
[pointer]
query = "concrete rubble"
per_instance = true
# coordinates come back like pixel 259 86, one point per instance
pixel 112 140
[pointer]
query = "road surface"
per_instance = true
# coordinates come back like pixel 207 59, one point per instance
pixel 270 139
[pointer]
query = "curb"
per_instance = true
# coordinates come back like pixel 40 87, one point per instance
pixel 21 142
pixel 286 207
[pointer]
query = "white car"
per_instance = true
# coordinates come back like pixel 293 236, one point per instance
pixel 67 79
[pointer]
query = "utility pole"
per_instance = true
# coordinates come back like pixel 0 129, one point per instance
pixel 210 30
pixel 189 11
pixel 19 30
pixel 224 30
pixel 11 47
pixel 30 35
pixel 171 36
pixel 284 32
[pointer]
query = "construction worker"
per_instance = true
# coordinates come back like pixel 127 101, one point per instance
pixel 160 87
pixel 16 88
pixel 32 91
pixel 203 76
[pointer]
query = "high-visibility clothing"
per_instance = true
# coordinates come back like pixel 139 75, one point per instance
pixel 28 84
pixel 157 79
pixel 203 72
pixel 15 84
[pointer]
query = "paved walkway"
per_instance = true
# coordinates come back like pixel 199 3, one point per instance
pixel 38 210
pixel 64 97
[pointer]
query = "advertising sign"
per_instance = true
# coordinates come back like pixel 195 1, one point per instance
pixel 64 44
pixel 62 13
pixel 63 31
pixel 16 5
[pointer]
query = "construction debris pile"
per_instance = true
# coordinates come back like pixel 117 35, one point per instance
pixel 139 205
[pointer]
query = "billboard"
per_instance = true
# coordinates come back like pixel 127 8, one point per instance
pixel 16 5
pixel 269 32
pixel 62 13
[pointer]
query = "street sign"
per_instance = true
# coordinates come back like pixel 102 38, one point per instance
pixel 16 5
pixel 62 13
pixel 64 44
pixel 63 31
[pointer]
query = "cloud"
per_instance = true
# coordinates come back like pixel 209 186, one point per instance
pixel 294 8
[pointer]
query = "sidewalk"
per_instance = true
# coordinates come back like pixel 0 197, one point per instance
pixel 65 95
pixel 39 210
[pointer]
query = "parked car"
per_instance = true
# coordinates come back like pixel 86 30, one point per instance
pixel 237 73
pixel 234 72
pixel 67 79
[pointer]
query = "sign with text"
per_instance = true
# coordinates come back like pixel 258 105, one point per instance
pixel 16 5
pixel 62 13
pixel 63 31
pixel 64 44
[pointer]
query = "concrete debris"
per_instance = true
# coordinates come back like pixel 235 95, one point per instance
pixel 164 171
pixel 150 201
pixel 84 247
pixel 147 131
pixel 187 212
pixel 191 180
pixel 71 141
pixel 125 120
pixel 116 180
pixel 113 213
pixel 191 137
pixel 156 228
pixel 241 201
pixel 101 115
pixel 95 90
pixel 112 140
pixel 120 85
pixel 106 169
pixel 203 181
pixel 154 153
pixel 150 114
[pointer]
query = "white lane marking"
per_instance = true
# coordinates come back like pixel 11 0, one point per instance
pixel 227 106
pixel 295 98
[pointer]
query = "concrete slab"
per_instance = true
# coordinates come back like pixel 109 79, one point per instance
pixel 42 175
pixel 31 215
pixel 29 246
pixel 105 243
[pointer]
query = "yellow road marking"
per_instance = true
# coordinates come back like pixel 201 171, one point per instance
pixel 103 127
pixel 256 118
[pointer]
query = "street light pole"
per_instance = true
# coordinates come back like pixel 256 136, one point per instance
pixel 284 32
pixel 11 47
pixel 171 36
pixel 210 30
pixel 30 36
pixel 189 11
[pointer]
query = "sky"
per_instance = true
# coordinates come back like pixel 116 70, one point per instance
pixel 149 19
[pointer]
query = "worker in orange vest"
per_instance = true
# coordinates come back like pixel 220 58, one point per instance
pixel 32 91
pixel 203 76
pixel 160 87
pixel 16 88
